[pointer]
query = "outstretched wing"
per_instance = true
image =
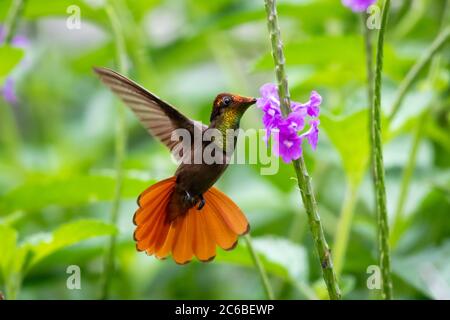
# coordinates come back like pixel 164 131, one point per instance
pixel 157 116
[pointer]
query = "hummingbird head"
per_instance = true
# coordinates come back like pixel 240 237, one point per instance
pixel 230 106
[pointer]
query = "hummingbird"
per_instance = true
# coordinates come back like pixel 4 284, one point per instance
pixel 184 215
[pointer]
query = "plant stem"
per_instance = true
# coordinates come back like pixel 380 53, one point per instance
pixel 303 178
pixel 378 167
pixel 13 285
pixel 344 227
pixel 121 59
pixel 12 19
pixel 262 272
pixel 414 72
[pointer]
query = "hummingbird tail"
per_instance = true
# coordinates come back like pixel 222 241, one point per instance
pixel 195 233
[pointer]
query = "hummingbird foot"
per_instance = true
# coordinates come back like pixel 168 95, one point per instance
pixel 190 199
pixel 202 202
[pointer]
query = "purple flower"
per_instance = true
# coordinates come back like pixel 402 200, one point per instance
pixel 270 105
pixel 313 133
pixel 358 5
pixel 272 116
pixel 285 130
pixel 287 145
pixel 294 122
pixel 312 107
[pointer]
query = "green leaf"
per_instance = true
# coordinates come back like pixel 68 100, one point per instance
pixel 9 58
pixel 285 253
pixel 68 191
pixel 279 257
pixel 8 244
pixel 350 138
pixel 12 260
pixel 346 51
pixel 67 235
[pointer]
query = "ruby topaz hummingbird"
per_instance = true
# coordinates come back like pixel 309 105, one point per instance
pixel 184 215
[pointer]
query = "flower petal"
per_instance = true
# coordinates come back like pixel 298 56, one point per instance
pixel 314 104
pixel 312 135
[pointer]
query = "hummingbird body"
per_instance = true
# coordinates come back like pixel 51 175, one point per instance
pixel 195 179
pixel 185 215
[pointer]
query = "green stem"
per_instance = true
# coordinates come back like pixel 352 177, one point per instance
pixel 413 14
pixel 121 59
pixel 435 63
pixel 13 285
pixel 344 227
pixel 12 19
pixel 414 72
pixel 378 167
pixel 262 272
pixel 303 178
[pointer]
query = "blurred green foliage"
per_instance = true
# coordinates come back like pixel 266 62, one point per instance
pixel 57 147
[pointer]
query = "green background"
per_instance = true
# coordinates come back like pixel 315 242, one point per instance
pixel 57 165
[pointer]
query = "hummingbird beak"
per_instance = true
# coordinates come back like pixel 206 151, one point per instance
pixel 245 101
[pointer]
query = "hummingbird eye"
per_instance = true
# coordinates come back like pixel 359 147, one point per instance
pixel 226 101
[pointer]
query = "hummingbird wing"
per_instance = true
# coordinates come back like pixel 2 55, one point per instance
pixel 157 116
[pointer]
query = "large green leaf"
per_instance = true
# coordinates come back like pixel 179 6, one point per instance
pixel 279 256
pixel 69 234
pixel 345 52
pixel 68 191
pixel 316 50
pixel 9 58
pixel 351 140
pixel 305 12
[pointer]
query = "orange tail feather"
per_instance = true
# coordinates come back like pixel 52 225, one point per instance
pixel 195 233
